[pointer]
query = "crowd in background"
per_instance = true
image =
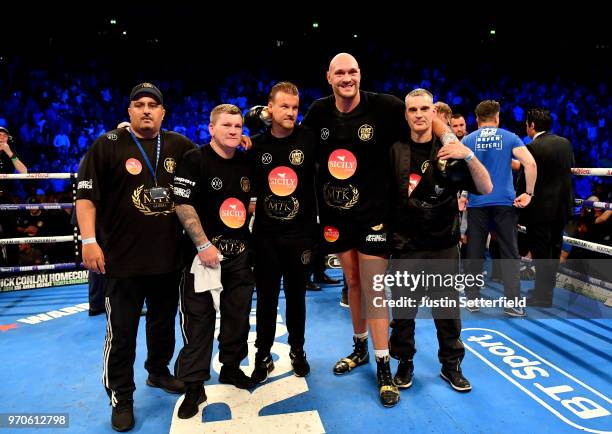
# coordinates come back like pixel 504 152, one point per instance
pixel 55 114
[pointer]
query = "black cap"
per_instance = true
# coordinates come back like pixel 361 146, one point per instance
pixel 4 130
pixel 149 89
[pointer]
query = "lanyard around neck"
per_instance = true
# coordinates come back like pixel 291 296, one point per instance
pixel 146 157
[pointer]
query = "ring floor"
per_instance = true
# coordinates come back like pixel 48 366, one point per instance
pixel 547 375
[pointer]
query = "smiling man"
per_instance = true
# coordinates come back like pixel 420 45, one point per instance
pixel 355 130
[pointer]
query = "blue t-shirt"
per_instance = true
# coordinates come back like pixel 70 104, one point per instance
pixel 493 147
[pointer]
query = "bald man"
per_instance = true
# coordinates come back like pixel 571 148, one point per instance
pixel 355 130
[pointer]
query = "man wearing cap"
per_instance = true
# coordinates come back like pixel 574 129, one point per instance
pixel 9 163
pixel 125 189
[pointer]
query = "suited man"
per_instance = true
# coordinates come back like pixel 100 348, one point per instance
pixel 552 203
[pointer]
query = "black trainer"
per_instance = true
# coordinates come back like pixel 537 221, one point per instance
pixel 388 392
pixel 301 368
pixel 312 286
pixel 325 279
pixel 403 376
pixel 234 375
pixel 456 379
pixel 359 356
pixel 262 368
pixel 122 418
pixel 167 382
pixel 194 396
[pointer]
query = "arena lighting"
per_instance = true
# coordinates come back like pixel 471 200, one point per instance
pixel 355 35
pixel 492 31
pixel 113 21
pixel 124 32
pixel 315 25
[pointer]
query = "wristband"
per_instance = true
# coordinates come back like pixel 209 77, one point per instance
pixel 448 137
pixel 529 194
pixel 204 246
pixel 14 158
pixel 469 156
pixel 88 240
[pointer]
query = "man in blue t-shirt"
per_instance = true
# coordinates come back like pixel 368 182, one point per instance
pixel 495 148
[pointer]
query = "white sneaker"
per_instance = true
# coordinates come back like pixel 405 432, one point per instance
pixel 515 311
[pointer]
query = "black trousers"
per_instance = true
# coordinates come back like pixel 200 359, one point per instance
pixel 96 291
pixel 197 319
pixel 504 220
pixel 545 240
pixel 124 298
pixel 277 257
pixel 446 319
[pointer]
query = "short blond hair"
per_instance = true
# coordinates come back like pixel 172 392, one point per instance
pixel 230 109
pixel 444 109
pixel 285 87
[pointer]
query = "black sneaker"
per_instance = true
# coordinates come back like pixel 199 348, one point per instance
pixel 194 396
pixel 262 368
pixel 325 279
pixel 344 300
pixel 403 376
pixel 167 382
pixel 311 286
pixel 456 379
pixel 301 368
pixel 234 375
pixel 122 418
pixel 388 392
pixel 359 356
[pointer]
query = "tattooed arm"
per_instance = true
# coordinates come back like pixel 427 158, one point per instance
pixel 193 226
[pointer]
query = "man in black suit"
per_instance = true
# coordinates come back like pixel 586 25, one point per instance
pixel 551 205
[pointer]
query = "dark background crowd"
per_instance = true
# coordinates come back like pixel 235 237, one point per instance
pixel 68 81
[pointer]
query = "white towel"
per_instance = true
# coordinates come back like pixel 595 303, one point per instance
pixel 207 279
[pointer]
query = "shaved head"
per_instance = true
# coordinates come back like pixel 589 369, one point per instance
pixel 344 77
pixel 342 60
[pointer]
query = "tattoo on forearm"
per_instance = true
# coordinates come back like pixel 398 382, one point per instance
pixel 191 222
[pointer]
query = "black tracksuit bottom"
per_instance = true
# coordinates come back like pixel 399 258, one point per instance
pixel 123 301
pixel 197 321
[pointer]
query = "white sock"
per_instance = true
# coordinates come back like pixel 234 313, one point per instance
pixel 361 335
pixel 380 354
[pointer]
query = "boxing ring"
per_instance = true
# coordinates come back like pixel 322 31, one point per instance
pixel 546 373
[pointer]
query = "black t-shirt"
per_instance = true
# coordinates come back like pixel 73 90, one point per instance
pixel 425 213
pixel 284 181
pixel 140 234
pixel 353 156
pixel 220 191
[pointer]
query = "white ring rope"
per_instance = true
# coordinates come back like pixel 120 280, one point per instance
pixel 591 171
pixel 30 206
pixel 588 245
pixel 37 175
pixel 36 240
